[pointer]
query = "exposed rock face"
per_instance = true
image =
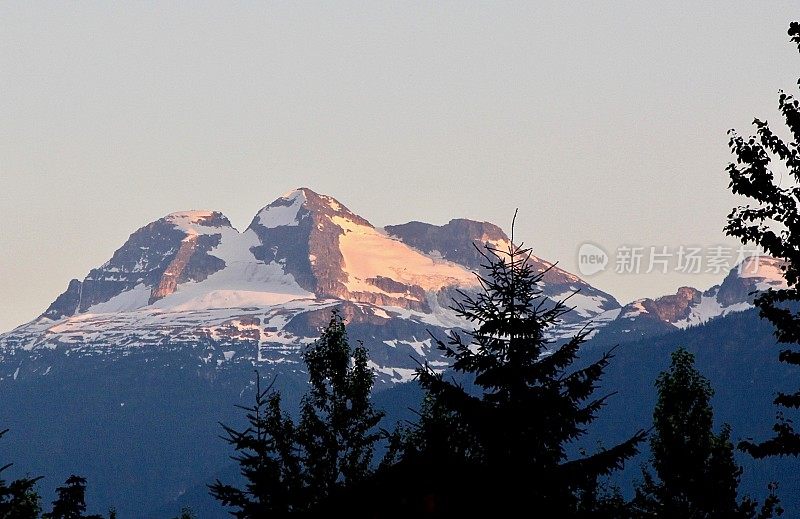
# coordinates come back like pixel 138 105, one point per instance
pixel 169 279
pixel 201 262
pixel 303 232
pixel 158 256
pixel 690 307
pixel 67 303
pixel 298 232
pixel 141 260
pixel 312 322
pixel 286 243
pixel 752 276
pixel 462 241
pixel 676 307
pixel 389 285
pixel 455 241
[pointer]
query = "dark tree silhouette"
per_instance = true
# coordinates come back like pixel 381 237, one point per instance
pixel 186 513
pixel 70 502
pixel 695 471
pixel 309 466
pixel 337 426
pixel 18 499
pixel 504 444
pixel 268 460
pixel 773 223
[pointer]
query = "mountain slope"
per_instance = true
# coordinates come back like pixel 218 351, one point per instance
pixel 462 241
pixel 124 377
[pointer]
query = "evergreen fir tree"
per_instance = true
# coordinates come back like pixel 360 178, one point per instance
pixel 70 502
pixel 504 446
pixel 186 513
pixel 696 475
pixel 268 459
pixel 18 499
pixel 773 223
pixel 312 465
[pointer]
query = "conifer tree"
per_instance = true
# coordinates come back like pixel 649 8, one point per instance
pixel 18 499
pixel 695 472
pixel 186 513
pixel 773 223
pixel 307 467
pixel 505 445
pixel 70 502
pixel 268 459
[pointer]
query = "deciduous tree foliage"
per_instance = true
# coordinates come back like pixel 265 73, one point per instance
pixel 767 171
pixel 695 472
pixel 337 431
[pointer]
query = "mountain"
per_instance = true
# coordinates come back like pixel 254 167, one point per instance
pixel 686 308
pixel 125 376
pixel 192 282
pixel 462 241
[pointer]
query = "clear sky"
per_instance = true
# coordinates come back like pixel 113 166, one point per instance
pixel 602 121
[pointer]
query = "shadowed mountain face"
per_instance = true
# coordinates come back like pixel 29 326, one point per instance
pixel 739 354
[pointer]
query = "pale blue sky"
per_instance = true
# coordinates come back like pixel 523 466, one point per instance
pixel 601 121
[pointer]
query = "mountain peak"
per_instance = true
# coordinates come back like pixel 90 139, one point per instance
pixel 303 245
pixel 765 270
pixel 191 222
pixel 690 307
pixel 296 205
pixel 754 274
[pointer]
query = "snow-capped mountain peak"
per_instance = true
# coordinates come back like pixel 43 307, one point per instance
pixel 191 275
pixel 765 271
pixel 300 203
pixel 283 211
pixel 192 279
pixel 198 222
pixel 691 307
